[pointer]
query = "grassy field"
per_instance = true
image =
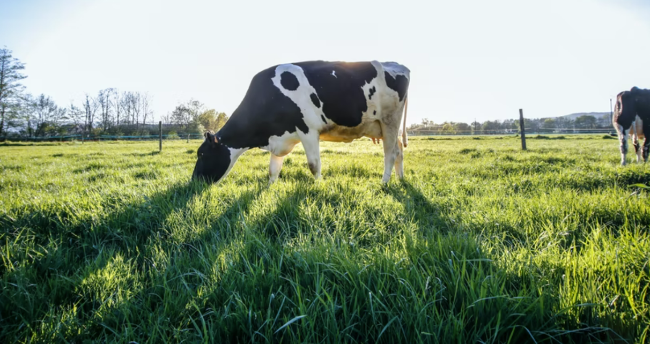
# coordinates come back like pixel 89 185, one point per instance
pixel 482 243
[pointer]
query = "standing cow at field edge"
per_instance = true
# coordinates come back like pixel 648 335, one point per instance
pixel 307 102
pixel 632 116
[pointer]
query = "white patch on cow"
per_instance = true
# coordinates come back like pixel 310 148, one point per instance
pixel 235 153
pixel 301 96
pixel 374 103
pixel 283 144
pixel 334 74
pixel 637 137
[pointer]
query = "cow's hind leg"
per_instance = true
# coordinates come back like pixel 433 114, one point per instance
pixel 274 167
pixel 399 160
pixel 636 132
pixel 310 142
pixel 642 132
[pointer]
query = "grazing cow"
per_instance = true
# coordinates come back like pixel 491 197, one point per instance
pixel 307 102
pixel 632 116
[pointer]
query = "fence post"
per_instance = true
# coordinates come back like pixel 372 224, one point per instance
pixel 522 129
pixel 160 136
pixel 188 138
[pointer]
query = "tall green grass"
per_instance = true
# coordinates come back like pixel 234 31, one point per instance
pixel 482 243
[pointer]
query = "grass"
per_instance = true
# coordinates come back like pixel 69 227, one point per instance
pixel 482 243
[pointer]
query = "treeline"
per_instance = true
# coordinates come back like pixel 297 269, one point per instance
pixel 109 112
pixel 538 124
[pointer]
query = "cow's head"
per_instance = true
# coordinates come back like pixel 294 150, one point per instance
pixel 214 160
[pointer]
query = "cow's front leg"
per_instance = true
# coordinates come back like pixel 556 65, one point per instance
pixel 274 167
pixel 390 151
pixel 310 142
pixel 637 148
pixel 646 148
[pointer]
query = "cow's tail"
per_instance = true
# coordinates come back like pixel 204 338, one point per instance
pixel 404 137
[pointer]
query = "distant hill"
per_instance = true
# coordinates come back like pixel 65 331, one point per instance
pixel 598 115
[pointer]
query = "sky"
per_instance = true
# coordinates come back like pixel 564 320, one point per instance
pixel 471 59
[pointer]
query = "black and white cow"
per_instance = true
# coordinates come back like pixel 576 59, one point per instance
pixel 307 102
pixel 632 117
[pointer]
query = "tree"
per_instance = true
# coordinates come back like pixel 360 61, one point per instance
pixel 549 123
pixel 448 129
pixel 146 108
pixel 134 98
pixel 117 106
pixel 462 128
pixel 105 102
pixel 90 108
pixel 10 87
pixel 45 111
pixel 186 113
pixel 530 125
pixel 126 106
pixel 490 125
pixel 75 115
pixel 476 126
pixel 211 120
pixel 585 121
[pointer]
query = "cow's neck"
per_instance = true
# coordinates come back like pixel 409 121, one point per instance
pixel 234 144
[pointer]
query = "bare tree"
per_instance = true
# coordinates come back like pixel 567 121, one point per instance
pixel 105 101
pixel 136 108
pixel 125 104
pixel 146 107
pixel 90 108
pixel 117 106
pixel 10 88
pixel 75 115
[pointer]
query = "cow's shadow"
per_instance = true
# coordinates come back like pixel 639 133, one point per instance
pixel 56 277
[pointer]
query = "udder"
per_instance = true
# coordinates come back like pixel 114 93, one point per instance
pixel 370 129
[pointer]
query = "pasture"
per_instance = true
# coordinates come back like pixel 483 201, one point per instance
pixel 482 243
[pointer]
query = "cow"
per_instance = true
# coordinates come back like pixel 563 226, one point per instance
pixel 632 116
pixel 307 102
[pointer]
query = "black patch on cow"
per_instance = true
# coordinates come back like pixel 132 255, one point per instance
pixel 289 81
pixel 399 84
pixel 374 112
pixel 372 91
pixel 315 100
pixel 343 99
pixel 626 109
pixel 323 118
pixel 264 112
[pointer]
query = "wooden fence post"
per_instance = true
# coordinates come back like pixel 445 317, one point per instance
pixel 522 129
pixel 188 138
pixel 160 136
